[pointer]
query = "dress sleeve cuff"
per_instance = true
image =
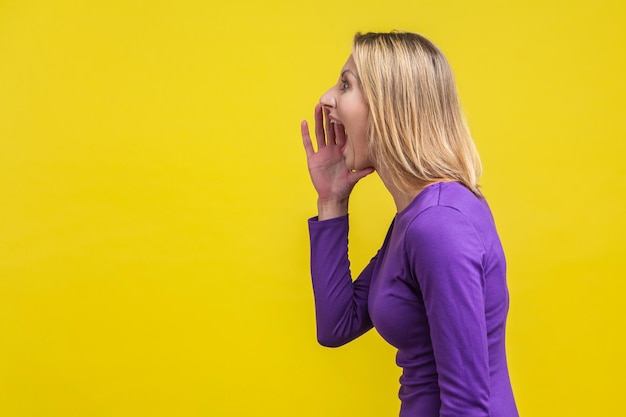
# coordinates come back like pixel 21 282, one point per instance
pixel 335 220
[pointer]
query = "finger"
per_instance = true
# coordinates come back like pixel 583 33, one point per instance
pixel 306 139
pixel 319 127
pixel 340 134
pixel 330 128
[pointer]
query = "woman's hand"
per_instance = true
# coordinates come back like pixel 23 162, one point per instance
pixel 332 179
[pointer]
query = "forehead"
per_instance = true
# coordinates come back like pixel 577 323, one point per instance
pixel 350 67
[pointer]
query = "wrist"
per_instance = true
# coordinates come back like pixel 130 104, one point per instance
pixel 329 209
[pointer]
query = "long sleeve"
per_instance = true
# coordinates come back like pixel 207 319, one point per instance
pixel 340 304
pixel 447 255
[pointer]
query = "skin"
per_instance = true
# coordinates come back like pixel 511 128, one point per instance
pixel 343 158
pixel 346 105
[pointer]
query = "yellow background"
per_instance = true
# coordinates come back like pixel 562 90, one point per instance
pixel 154 197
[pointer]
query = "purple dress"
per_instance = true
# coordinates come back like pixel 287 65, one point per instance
pixel 436 290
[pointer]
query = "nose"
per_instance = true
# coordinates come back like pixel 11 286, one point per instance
pixel 328 99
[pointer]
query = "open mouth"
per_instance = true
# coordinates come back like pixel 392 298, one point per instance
pixel 333 119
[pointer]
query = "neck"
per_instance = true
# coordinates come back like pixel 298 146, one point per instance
pixel 401 197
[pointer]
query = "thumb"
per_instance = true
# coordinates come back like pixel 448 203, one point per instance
pixel 356 176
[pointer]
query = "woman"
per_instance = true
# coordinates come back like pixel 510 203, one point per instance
pixel 436 290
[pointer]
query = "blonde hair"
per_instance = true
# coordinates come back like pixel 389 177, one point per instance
pixel 417 130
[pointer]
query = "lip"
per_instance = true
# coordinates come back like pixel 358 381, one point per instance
pixel 334 119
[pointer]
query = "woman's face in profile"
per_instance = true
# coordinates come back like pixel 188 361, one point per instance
pixel 347 106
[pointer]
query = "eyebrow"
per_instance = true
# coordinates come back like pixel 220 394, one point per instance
pixel 350 71
pixel 358 80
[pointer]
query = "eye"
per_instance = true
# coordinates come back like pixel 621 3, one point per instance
pixel 344 85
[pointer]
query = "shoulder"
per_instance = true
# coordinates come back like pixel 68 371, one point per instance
pixel 446 194
pixel 442 228
pixel 442 245
pixel 448 220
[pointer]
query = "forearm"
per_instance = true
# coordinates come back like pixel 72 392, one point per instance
pixel 340 304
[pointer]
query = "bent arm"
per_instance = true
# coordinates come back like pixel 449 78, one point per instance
pixel 340 304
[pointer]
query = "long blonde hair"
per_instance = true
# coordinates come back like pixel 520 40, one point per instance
pixel 417 130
